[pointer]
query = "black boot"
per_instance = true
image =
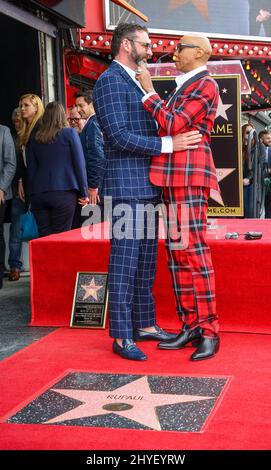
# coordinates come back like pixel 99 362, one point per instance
pixel 186 336
pixel 208 348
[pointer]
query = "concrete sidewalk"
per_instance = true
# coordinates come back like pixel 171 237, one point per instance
pixel 15 334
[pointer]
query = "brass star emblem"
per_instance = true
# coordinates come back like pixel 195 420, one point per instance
pixel 200 5
pixel 91 290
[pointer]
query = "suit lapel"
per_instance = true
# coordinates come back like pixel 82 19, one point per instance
pixel 186 84
pixel 170 96
pixel 84 131
pixel 120 70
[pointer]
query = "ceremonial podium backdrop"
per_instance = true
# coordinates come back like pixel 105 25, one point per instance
pixel 225 138
pixel 242 269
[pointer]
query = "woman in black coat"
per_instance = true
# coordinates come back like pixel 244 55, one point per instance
pixel 56 172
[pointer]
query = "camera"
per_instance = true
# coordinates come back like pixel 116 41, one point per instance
pixel 253 235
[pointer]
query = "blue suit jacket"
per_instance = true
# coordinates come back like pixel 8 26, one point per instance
pixel 59 166
pixel 130 135
pixel 93 146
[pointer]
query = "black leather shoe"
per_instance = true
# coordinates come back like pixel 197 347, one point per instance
pixel 129 350
pixel 157 335
pixel 185 337
pixel 208 348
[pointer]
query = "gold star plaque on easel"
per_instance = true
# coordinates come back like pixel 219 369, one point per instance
pixel 90 300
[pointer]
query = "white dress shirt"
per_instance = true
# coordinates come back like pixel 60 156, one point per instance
pixel 180 80
pixel 167 144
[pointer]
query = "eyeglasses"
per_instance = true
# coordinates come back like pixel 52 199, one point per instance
pixel 147 45
pixel 180 46
pixel 74 119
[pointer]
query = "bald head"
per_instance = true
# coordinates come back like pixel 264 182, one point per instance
pixel 201 41
pixel 193 51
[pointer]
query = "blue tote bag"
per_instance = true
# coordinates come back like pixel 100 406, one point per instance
pixel 28 226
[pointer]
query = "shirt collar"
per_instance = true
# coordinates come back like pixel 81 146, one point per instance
pixel 181 79
pixel 89 117
pixel 131 73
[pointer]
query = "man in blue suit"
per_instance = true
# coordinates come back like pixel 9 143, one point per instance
pixel 130 138
pixel 92 142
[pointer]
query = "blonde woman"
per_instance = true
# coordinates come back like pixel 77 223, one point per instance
pixel 56 172
pixel 31 110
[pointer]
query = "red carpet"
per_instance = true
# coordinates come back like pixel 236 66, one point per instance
pixel 242 277
pixel 240 418
pixel 241 421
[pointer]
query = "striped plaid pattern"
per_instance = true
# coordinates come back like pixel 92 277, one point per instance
pixel 191 268
pixel 192 107
pixel 132 267
pixel 130 139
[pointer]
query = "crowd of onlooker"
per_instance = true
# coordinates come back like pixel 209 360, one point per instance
pixel 52 165
pixel 256 153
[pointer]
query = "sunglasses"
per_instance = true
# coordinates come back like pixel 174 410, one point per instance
pixel 147 45
pixel 180 46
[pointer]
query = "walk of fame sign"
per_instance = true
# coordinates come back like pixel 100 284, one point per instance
pixel 153 402
pixel 90 300
pixel 226 144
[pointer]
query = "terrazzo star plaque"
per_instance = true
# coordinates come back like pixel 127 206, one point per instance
pixel 90 300
pixel 160 403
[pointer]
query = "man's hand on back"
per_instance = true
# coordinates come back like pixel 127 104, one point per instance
pixel 186 141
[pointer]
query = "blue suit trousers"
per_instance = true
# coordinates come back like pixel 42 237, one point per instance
pixel 132 266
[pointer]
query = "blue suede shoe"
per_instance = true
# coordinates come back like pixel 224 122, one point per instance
pixel 129 350
pixel 158 335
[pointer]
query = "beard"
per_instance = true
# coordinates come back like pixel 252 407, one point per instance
pixel 138 57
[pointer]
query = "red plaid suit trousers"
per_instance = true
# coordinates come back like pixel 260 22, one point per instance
pixel 189 256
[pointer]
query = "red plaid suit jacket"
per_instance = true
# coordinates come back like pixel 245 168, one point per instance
pixel 192 107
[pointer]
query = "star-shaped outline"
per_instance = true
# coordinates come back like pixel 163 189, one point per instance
pixel 216 195
pixel 221 109
pixel 91 289
pixel 142 412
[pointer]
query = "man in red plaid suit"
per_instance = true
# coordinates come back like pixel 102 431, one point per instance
pixel 187 178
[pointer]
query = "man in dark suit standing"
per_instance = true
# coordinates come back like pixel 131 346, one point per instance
pixel 187 178
pixel 92 142
pixel 130 136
